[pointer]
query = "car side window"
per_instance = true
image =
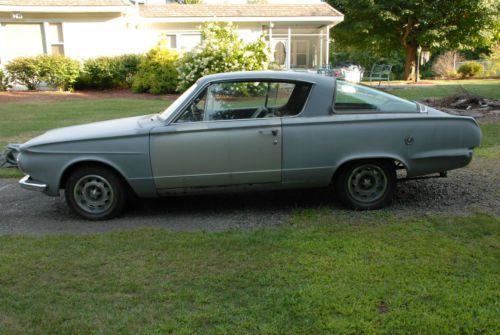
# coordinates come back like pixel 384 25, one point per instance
pixel 195 110
pixel 251 100
pixel 279 94
pixel 235 100
pixel 352 98
pixel 247 100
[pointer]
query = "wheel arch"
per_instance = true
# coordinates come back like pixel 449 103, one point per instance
pixel 396 160
pixel 73 166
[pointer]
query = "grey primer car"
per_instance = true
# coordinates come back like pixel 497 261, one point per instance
pixel 248 130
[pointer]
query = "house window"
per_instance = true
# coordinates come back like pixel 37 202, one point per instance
pixel 55 38
pixel 171 41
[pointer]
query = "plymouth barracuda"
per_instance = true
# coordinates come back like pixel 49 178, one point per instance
pixel 251 130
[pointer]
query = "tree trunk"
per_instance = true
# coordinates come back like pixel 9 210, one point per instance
pixel 411 61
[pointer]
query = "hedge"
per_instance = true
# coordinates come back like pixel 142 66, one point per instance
pixel 57 71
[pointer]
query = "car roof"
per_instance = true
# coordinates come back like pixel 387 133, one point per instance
pixel 269 75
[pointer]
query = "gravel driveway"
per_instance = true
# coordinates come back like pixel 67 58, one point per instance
pixel 465 191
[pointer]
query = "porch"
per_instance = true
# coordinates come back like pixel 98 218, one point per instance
pixel 296 47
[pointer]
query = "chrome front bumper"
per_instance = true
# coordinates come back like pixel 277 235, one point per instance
pixel 27 183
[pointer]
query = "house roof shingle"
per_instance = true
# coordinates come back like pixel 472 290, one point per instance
pixel 64 3
pixel 253 10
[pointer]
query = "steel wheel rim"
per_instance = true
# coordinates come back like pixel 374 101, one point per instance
pixel 93 194
pixel 367 183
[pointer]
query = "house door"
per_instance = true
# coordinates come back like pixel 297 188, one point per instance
pixel 300 55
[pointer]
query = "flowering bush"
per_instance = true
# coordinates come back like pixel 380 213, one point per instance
pixel 157 72
pixel 221 50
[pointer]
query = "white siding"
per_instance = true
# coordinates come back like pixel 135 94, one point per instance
pixel 91 39
pixel 21 40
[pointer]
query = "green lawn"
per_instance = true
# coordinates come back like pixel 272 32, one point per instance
pixel 484 88
pixel 322 274
pixel 490 144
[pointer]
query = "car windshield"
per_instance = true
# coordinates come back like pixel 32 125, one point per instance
pixel 352 98
pixel 179 101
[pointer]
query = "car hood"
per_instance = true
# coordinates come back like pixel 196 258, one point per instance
pixel 130 126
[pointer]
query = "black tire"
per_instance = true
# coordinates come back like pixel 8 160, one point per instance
pixel 366 184
pixel 96 193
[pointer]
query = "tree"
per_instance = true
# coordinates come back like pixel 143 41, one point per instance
pixel 380 25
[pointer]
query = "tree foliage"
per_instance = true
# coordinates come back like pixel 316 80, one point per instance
pixel 379 25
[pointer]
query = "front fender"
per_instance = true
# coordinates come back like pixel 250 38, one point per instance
pixel 129 156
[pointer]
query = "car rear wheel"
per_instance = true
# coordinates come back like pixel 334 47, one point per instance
pixel 367 184
pixel 95 193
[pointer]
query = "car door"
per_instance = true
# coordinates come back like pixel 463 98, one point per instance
pixel 218 140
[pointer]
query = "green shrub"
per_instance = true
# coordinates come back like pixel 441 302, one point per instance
pixel 470 69
pixel 56 70
pixel 100 73
pixel 157 73
pixel 25 71
pixel 4 81
pixel 221 50
pixel 109 72
pixel 129 65
pixel 59 71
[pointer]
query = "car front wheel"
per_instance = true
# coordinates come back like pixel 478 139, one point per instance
pixel 368 184
pixel 95 193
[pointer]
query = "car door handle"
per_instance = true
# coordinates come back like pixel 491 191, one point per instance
pixel 273 132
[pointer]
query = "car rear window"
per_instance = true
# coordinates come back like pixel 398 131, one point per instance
pixel 352 98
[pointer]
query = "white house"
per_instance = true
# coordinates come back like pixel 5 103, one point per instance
pixel 297 30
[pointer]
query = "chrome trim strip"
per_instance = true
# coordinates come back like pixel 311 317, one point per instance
pixel 29 184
